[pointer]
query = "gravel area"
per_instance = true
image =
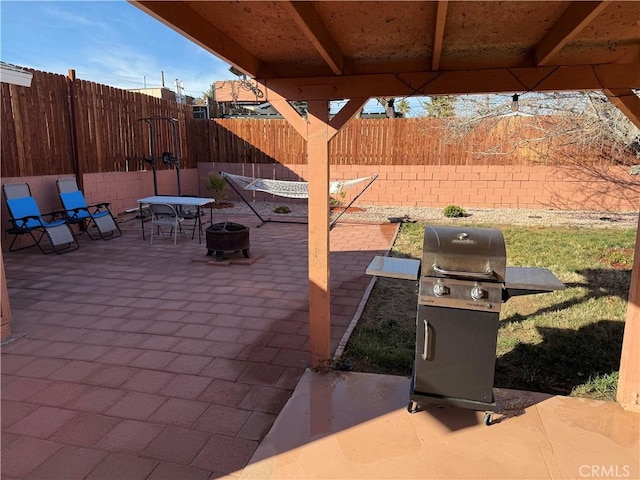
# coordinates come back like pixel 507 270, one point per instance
pixel 481 216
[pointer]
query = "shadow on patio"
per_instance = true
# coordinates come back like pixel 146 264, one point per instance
pixel 139 361
pixel 133 360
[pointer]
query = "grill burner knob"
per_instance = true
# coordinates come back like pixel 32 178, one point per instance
pixel 440 289
pixel 479 293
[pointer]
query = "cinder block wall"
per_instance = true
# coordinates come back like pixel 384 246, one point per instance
pixel 536 187
pixel 606 189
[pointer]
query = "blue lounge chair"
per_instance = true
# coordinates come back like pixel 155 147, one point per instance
pixel 79 213
pixel 26 219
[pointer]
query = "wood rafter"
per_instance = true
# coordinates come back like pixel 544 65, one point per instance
pixel 577 16
pixel 290 114
pixel 308 20
pixel 346 113
pixel 532 79
pixel 178 16
pixel 627 102
pixel 438 35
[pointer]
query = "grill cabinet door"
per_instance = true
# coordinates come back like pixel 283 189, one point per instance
pixel 459 353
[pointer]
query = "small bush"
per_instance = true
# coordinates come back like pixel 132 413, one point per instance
pixel 335 202
pixel 282 209
pixel 453 211
pixel 217 185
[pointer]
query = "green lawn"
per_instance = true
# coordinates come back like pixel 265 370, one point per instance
pixel 565 342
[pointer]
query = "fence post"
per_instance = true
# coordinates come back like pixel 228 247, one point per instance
pixel 71 90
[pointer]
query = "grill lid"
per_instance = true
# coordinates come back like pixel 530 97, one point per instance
pixel 464 252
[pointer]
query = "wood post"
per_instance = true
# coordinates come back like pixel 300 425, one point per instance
pixel 319 272
pixel 5 309
pixel 71 89
pixel 628 394
pixel 318 130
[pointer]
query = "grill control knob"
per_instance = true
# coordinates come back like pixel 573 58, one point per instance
pixel 479 293
pixel 440 289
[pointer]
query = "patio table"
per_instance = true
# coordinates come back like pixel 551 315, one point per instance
pixel 197 202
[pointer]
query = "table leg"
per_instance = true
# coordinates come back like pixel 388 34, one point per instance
pixel 199 226
pixel 142 221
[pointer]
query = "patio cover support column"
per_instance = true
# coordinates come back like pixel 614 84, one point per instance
pixel 319 289
pixel 5 309
pixel 317 130
pixel 628 393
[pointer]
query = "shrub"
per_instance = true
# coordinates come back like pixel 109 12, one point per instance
pixel 453 211
pixel 282 209
pixel 217 185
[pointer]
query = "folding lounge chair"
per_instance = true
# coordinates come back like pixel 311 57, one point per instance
pixel 79 213
pixel 26 219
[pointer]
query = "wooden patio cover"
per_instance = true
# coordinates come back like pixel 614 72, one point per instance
pixel 319 51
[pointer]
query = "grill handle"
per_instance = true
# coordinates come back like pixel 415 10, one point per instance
pixel 488 275
pixel 425 350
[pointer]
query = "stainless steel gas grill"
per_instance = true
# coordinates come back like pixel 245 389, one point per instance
pixel 463 282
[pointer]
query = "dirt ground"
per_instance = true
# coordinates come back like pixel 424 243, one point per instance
pixel 480 216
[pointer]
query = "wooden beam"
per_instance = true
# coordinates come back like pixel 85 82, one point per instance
pixel 346 113
pixel 308 20
pixel 577 16
pixel 5 308
pixel 186 21
pixel 290 114
pixel 438 35
pixel 319 273
pixel 456 82
pixel 285 109
pixel 627 102
pixel 628 393
pixel 73 129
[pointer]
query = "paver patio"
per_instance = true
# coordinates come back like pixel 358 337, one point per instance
pixel 133 360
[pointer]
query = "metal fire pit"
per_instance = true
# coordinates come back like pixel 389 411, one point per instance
pixel 227 237
pixel 463 282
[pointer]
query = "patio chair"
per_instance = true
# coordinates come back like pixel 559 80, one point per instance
pixel 26 219
pixel 79 213
pixel 165 215
pixel 191 212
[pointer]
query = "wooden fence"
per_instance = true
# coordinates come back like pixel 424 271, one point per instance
pixel 62 126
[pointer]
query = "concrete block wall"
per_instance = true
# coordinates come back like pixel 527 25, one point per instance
pixel 606 189
pixel 123 189
pixel 609 188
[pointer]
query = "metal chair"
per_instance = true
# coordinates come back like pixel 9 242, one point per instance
pixel 165 215
pixel 190 212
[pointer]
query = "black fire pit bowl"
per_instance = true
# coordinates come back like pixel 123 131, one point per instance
pixel 227 237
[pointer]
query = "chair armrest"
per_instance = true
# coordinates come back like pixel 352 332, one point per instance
pixel 99 206
pixel 21 223
pixel 57 214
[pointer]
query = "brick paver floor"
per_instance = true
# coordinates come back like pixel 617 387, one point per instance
pixel 131 360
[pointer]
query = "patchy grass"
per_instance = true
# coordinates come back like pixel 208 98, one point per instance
pixel 566 342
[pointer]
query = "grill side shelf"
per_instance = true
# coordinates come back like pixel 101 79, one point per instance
pixel 529 280
pixel 402 268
